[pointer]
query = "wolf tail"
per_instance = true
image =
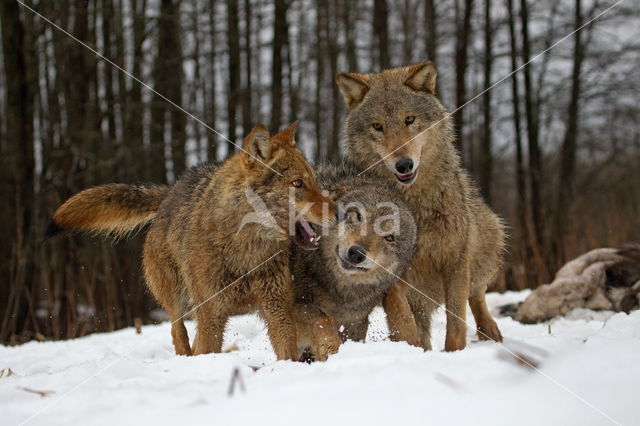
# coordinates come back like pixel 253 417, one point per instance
pixel 112 210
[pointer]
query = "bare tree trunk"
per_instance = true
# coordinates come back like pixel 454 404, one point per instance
pixel 319 53
pixel 110 144
pixel 567 168
pixel 350 17
pixel 531 271
pixel 486 156
pixel 462 46
pixel 247 119
pixel 17 172
pixel 211 136
pixel 280 36
pixel 257 57
pixel 408 18
pixel 134 108
pixel 198 80
pixel 432 33
pixel 233 40
pixel 535 161
pixel 333 148
pixel 156 159
pixel 170 24
pixel 381 32
pixel 294 86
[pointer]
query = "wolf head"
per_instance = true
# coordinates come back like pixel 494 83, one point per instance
pixel 286 183
pixel 375 238
pixel 394 120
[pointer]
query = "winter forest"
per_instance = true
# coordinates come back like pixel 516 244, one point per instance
pixel 554 145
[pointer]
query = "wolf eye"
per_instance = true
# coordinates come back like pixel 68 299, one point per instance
pixel 377 127
pixel 409 119
pixel 297 183
pixel 390 238
pixel 359 216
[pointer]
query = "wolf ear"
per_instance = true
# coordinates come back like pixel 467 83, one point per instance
pixel 289 134
pixel 257 145
pixel 353 88
pixel 422 77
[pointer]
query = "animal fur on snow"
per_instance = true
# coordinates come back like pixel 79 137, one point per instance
pixel 602 279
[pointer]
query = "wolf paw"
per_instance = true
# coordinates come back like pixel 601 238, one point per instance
pixel 489 331
pixel 455 342
pixel 324 350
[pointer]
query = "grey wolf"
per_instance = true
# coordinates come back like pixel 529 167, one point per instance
pixel 358 259
pixel 460 241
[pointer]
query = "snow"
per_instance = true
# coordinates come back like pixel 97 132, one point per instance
pixel 587 373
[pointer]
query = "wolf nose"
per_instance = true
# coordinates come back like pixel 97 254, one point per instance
pixel 404 166
pixel 356 254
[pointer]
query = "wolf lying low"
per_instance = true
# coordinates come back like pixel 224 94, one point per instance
pixel 359 259
pixel 198 252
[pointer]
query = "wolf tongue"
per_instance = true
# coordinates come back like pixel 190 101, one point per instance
pixel 307 228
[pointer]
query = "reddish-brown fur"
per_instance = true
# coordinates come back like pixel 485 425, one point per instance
pixel 199 253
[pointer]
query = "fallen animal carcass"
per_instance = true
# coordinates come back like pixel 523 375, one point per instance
pixel 602 279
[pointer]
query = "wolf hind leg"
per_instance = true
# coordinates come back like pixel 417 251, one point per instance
pixel 486 326
pixel 179 335
pixel 163 282
pixel 210 329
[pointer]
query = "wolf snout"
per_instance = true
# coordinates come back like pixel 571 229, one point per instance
pixel 404 166
pixel 356 255
pixel 405 170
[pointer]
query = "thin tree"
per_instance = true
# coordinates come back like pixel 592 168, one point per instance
pixel 233 41
pixel 531 271
pixel 247 118
pixel 535 160
pixel 132 100
pixel 280 37
pixel 111 143
pixel 432 33
pixel 350 17
pixel 565 192
pixel 462 47
pixel 320 41
pixel 486 157
pixel 212 106
pixel 408 19
pixel 381 32
pixel 333 148
pixel 18 165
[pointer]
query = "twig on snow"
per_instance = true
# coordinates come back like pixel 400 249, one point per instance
pixel 42 393
pixel 236 377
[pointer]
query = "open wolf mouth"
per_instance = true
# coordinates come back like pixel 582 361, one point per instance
pixel 407 178
pixel 306 235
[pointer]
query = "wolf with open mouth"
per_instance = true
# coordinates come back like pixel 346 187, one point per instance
pixel 358 260
pixel 219 239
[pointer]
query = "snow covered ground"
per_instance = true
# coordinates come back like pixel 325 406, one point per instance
pixel 588 373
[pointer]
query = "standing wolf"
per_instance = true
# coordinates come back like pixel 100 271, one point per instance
pixel 200 252
pixel 337 286
pixel 461 240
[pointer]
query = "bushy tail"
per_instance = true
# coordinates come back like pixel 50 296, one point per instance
pixel 111 210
